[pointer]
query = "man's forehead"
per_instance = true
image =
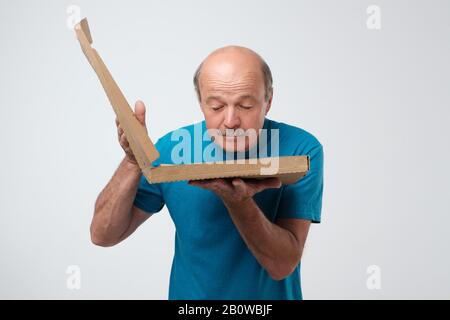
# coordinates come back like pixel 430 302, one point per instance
pixel 213 97
pixel 231 70
pixel 231 81
pixel 230 76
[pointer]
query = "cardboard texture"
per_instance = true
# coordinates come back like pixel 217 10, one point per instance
pixel 289 169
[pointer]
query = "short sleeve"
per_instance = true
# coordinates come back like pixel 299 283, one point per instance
pixel 149 197
pixel 303 199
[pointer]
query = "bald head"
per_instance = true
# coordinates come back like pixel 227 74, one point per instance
pixel 232 62
pixel 234 88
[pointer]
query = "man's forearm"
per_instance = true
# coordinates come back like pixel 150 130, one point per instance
pixel 113 206
pixel 275 248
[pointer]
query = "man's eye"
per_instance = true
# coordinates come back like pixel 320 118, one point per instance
pixel 215 108
pixel 246 107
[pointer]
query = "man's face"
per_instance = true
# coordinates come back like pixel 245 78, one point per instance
pixel 233 100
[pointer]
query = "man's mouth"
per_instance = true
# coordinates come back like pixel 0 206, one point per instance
pixel 231 133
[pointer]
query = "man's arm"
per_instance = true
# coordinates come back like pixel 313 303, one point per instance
pixel 115 217
pixel 278 247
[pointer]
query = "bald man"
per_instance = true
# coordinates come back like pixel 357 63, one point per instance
pixel 235 239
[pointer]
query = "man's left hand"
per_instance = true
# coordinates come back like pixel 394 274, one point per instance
pixel 236 191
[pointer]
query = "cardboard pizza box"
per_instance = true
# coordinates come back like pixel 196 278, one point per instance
pixel 289 169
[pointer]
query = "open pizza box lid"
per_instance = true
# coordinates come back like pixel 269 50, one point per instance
pixel 289 169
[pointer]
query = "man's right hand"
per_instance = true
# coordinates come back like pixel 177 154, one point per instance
pixel 139 113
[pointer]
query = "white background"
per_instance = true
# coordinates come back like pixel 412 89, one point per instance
pixel 378 100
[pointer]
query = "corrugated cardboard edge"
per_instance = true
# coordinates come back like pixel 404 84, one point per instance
pixel 289 170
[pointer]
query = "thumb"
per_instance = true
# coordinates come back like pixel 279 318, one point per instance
pixel 139 112
pixel 239 184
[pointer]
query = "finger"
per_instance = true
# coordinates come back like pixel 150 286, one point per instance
pixel 274 182
pixel 269 183
pixel 221 185
pixel 215 185
pixel 262 184
pixel 200 183
pixel 239 185
pixel 237 181
pixel 124 141
pixel 139 111
pixel 119 132
pixel 197 183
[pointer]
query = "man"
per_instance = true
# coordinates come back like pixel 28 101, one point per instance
pixel 235 239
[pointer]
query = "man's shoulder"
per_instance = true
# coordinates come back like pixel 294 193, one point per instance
pixel 293 135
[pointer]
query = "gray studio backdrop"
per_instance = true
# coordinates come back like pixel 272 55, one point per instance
pixel 374 92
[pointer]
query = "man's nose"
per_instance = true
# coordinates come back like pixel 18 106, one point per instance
pixel 232 120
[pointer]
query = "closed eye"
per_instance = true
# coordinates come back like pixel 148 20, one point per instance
pixel 216 108
pixel 245 107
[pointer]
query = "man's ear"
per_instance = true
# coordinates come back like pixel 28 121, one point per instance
pixel 269 103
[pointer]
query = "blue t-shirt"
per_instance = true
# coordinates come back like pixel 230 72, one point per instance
pixel 211 260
